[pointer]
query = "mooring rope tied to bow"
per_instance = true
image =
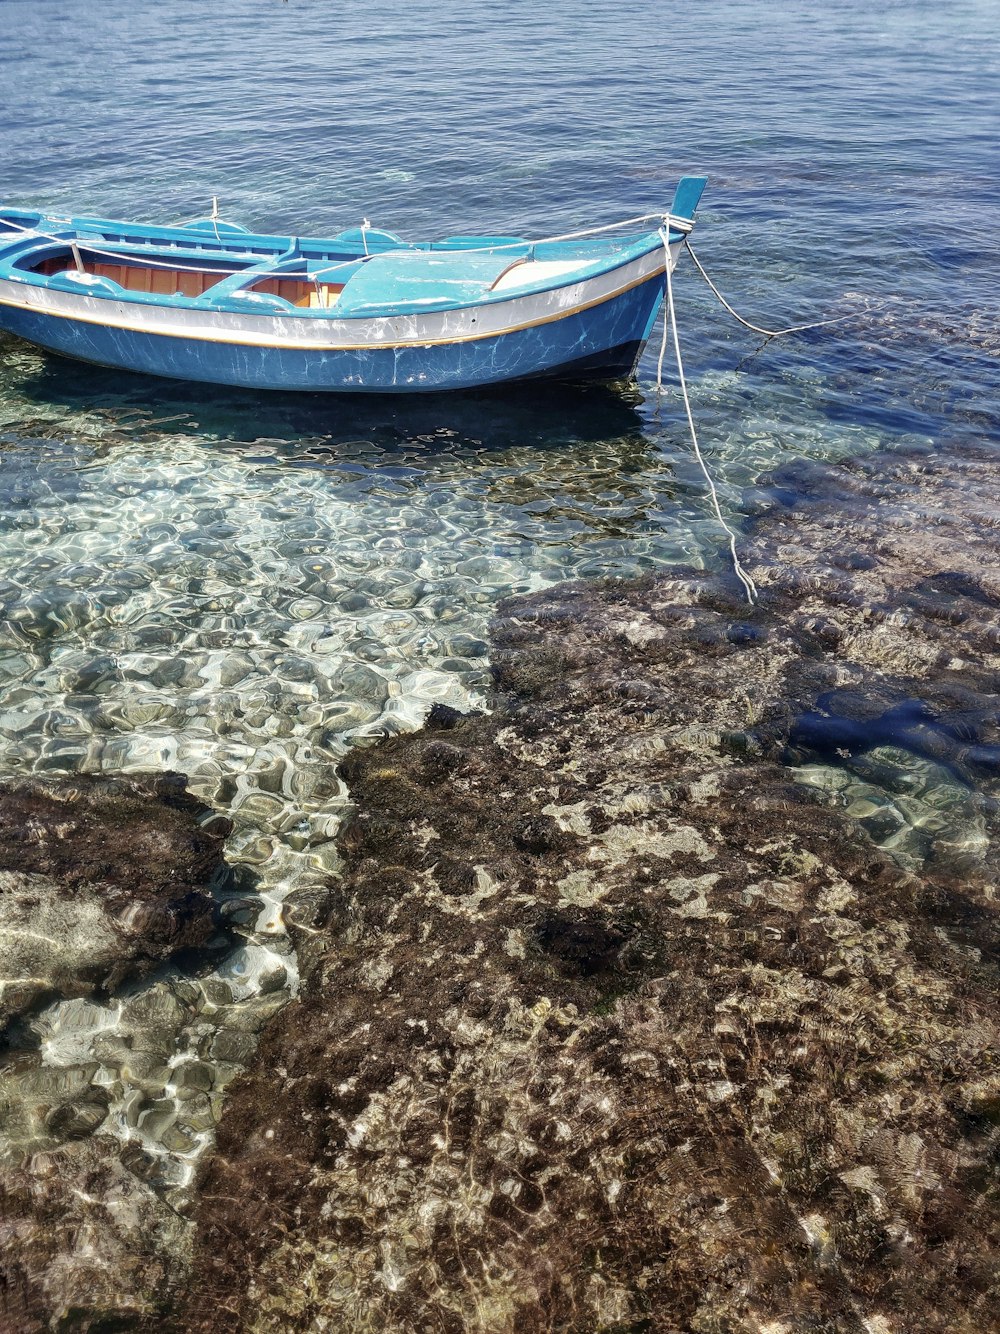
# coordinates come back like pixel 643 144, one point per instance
pixel 670 326
pixel 670 317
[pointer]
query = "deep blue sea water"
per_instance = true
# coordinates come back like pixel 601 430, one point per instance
pixel 235 585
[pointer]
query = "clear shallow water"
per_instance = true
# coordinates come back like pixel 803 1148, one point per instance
pixel 239 586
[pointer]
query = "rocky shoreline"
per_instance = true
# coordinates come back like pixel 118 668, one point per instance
pixel 617 1019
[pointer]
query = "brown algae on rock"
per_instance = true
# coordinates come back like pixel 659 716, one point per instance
pixel 102 881
pixel 617 1026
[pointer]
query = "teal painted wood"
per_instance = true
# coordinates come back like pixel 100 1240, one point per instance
pixel 688 195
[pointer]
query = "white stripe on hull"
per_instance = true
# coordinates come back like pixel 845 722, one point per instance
pixel 323 334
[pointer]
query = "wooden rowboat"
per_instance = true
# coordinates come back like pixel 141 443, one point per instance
pixel 361 312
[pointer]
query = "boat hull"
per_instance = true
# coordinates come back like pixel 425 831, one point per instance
pixel 593 328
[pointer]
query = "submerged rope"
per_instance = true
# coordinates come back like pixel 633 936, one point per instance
pixel 670 320
pixel 745 579
pixel 755 328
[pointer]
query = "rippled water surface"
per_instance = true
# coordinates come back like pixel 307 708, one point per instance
pixel 239 586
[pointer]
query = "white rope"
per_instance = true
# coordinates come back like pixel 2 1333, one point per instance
pixel 741 574
pixel 755 328
pixel 678 224
pixel 670 318
pixel 682 225
pixel 213 217
pixel 664 236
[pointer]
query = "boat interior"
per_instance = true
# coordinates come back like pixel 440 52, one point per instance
pixel 223 279
pixel 361 272
pixel 356 274
pixel 161 280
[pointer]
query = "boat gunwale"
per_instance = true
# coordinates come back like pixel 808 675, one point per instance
pixel 262 340
pixel 611 254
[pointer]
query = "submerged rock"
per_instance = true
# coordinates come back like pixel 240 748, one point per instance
pixel 611 1025
pixel 100 879
pixel 87 1243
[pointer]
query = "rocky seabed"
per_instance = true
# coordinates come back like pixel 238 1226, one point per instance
pixel 661 995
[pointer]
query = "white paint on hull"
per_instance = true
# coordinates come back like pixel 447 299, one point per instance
pixel 325 333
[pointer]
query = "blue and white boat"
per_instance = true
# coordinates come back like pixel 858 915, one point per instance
pixel 362 312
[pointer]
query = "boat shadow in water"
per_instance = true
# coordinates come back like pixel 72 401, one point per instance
pixel 539 414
